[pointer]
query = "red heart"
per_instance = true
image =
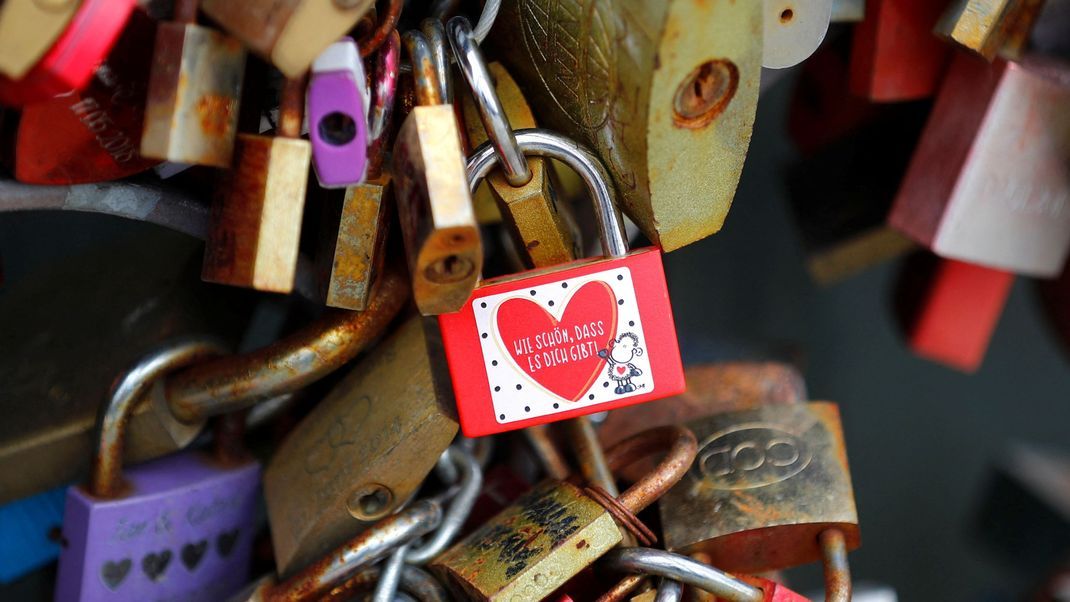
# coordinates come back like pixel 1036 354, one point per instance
pixel 567 368
pixel 620 369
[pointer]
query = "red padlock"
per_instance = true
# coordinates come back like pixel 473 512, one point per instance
pixel 896 56
pixel 566 341
pixel 71 61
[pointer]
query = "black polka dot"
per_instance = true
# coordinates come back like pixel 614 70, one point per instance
pixel 483 305
pixel 631 322
pixel 496 389
pixel 501 416
pixel 557 405
pixel 620 277
pixel 620 301
pixel 484 335
pixel 494 362
pixel 605 384
pixel 564 285
pixel 532 292
pixel 527 408
pixel 518 387
pixel 551 304
pixel 591 396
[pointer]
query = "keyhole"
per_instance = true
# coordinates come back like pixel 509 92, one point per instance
pixel 704 93
pixel 337 129
pixel 451 268
pixel 370 502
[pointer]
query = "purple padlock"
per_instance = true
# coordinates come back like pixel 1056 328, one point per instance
pixel 178 528
pixel 338 115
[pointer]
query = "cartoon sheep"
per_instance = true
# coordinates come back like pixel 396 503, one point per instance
pixel 619 356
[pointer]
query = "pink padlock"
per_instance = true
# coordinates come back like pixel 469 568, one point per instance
pixel 338 115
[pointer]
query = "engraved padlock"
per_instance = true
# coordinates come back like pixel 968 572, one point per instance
pixel 438 224
pixel 180 527
pixel 569 340
pixel 551 533
pixel 338 115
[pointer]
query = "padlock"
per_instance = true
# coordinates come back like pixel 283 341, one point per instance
pixel 965 197
pixel 565 341
pixel 191 114
pixel 338 115
pixel 896 56
pixel 947 310
pixel 288 33
pixel 91 135
pixel 71 61
pixel 524 191
pixel 256 218
pixel 362 452
pixel 28 28
pixel 438 224
pixel 415 585
pixel 986 26
pixel 792 30
pixel 351 251
pixel 730 588
pixel 180 527
pixel 555 530
pixel 770 489
pixel 664 92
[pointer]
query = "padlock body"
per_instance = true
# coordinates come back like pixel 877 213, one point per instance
pixel 28 28
pixel 895 54
pixel 766 482
pixel 338 128
pixel 192 111
pixel 289 33
pixel 347 264
pixel 183 532
pixel 531 548
pixel 255 224
pixel 986 26
pixel 793 30
pixel 525 349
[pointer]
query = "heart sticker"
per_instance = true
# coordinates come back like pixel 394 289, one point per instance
pixel 154 565
pixel 560 354
pixel 192 553
pixel 224 543
pixel 113 573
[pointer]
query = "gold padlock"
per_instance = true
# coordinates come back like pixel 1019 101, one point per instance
pixel 288 33
pixel 191 112
pixel 664 92
pixel 255 223
pixel 989 26
pixel 363 451
pixel 438 224
pixel 28 28
pixel 550 534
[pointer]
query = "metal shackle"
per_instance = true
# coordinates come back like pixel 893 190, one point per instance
pixel 545 143
pixel 435 33
pixel 499 132
pixel 682 448
pixel 412 580
pixel 384 89
pixel 425 77
pixel 679 568
pixel 130 388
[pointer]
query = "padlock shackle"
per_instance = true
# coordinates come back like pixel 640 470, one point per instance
pixel 669 590
pixel 460 506
pixel 129 389
pixel 469 58
pixel 834 561
pixel 681 446
pixel 425 76
pixel 185 11
pixel 683 569
pixel 415 581
pixel 545 143
pixel 435 33
pixel 385 29
pixel 384 88
pixel 291 107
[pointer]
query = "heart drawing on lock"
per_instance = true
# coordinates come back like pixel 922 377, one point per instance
pixel 155 564
pixel 192 553
pixel 224 543
pixel 113 573
pixel 568 361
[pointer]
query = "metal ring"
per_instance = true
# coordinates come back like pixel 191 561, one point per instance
pixel 495 121
pixel 130 388
pixel 460 507
pixel 669 591
pixel 545 143
pixel 683 569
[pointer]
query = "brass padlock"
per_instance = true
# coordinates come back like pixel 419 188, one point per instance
pixel 363 451
pixel 191 113
pixel 351 253
pixel 551 533
pixel 770 489
pixel 528 203
pixel 28 28
pixel 438 224
pixel 664 92
pixel 988 26
pixel 288 33
pixel 256 220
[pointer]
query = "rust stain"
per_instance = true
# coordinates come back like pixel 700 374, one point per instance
pixel 215 112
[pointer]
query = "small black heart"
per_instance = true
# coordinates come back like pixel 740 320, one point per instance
pixel 225 542
pixel 154 565
pixel 113 573
pixel 193 552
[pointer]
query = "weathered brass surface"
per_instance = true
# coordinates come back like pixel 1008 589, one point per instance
pixel 363 451
pixel 435 210
pixel 191 113
pixel 349 262
pixel 59 358
pixel 534 215
pixel 289 33
pixel 256 222
pixel 542 540
pixel 985 26
pixel 28 28
pixel 765 484
pixel 664 92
